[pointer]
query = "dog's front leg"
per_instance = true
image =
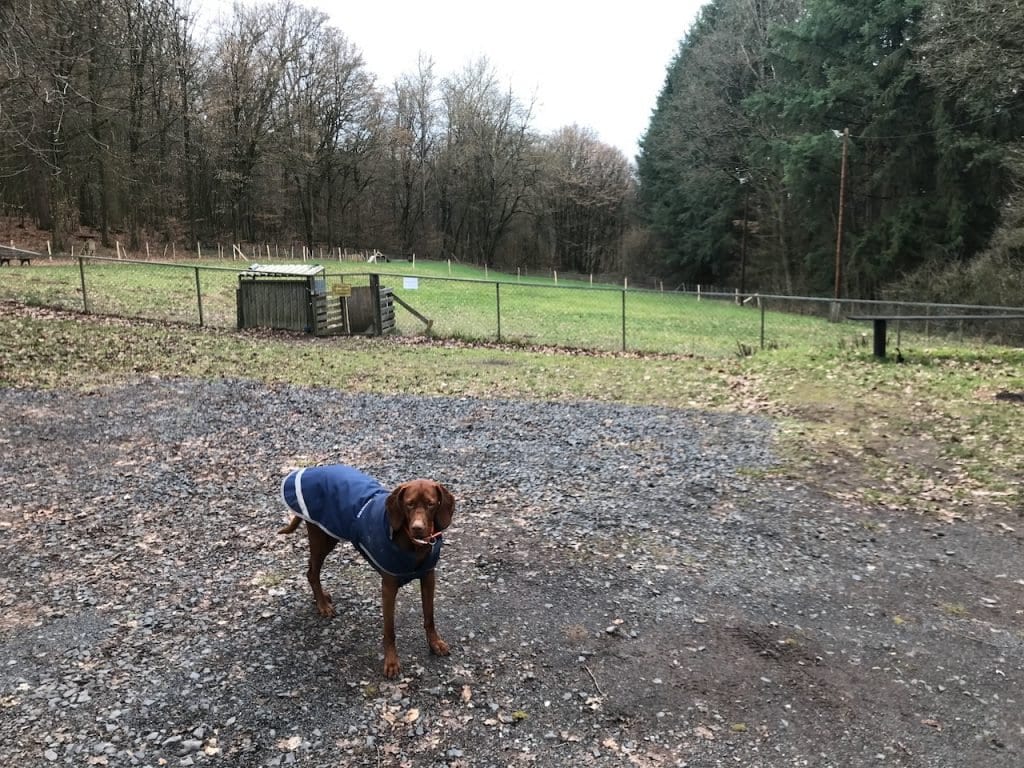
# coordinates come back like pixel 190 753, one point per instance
pixel 437 645
pixel 389 590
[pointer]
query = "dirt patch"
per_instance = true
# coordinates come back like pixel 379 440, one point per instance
pixel 622 586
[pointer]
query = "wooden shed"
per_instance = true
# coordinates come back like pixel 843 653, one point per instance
pixel 280 296
pixel 296 297
pixel 370 309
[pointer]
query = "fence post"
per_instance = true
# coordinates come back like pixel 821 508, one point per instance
pixel 199 298
pixel 761 303
pixel 378 329
pixel 497 297
pixel 81 272
pixel 623 319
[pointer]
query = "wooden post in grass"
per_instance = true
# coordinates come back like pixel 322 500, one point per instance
pixel 378 329
pixel 449 267
pixel 497 301
pixel 762 304
pixel 199 297
pixel 81 272
pixel 556 276
pixel 199 249
pixel 623 319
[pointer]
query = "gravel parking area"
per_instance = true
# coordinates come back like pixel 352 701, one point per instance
pixel 621 586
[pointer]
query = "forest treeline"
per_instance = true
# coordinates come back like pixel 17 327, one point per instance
pixel 741 170
pixel 118 117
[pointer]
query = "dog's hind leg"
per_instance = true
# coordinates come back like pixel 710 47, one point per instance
pixel 320 545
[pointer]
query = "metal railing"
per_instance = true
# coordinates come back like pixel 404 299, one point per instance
pixel 519 311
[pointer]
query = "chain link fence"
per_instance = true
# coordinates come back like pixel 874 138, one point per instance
pixel 521 311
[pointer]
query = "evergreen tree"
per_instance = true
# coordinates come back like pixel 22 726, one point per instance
pixel 704 192
pixel 972 53
pixel 915 189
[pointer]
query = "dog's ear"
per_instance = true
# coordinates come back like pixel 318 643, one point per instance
pixel 395 508
pixel 445 510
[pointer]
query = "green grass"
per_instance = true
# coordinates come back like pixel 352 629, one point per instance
pixel 533 309
pixel 926 436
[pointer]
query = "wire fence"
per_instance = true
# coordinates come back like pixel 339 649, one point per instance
pixel 521 311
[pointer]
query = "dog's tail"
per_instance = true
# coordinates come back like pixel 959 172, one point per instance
pixel 290 528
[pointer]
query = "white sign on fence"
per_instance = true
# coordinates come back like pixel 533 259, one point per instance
pixel 410 283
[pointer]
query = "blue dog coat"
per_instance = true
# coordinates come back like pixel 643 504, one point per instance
pixel 349 505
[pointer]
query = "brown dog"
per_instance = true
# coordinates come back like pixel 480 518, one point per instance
pixel 399 533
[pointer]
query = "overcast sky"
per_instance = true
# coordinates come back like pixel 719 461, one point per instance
pixel 599 65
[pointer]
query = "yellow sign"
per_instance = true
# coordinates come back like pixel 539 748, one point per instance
pixel 341 289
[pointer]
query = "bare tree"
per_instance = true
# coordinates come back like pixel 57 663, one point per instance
pixel 186 58
pixel 413 122
pixel 43 50
pixel 249 62
pixel 584 197
pixel 351 130
pixel 486 165
pixel 145 31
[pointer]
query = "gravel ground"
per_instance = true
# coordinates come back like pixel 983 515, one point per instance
pixel 622 586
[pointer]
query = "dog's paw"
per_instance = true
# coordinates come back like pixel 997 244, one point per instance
pixel 391 666
pixel 438 646
pixel 326 608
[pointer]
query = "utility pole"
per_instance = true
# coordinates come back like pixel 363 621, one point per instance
pixel 842 205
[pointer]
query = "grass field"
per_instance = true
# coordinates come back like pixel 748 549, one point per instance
pixel 931 435
pixel 463 303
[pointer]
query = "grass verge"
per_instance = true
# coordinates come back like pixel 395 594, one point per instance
pixel 930 435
